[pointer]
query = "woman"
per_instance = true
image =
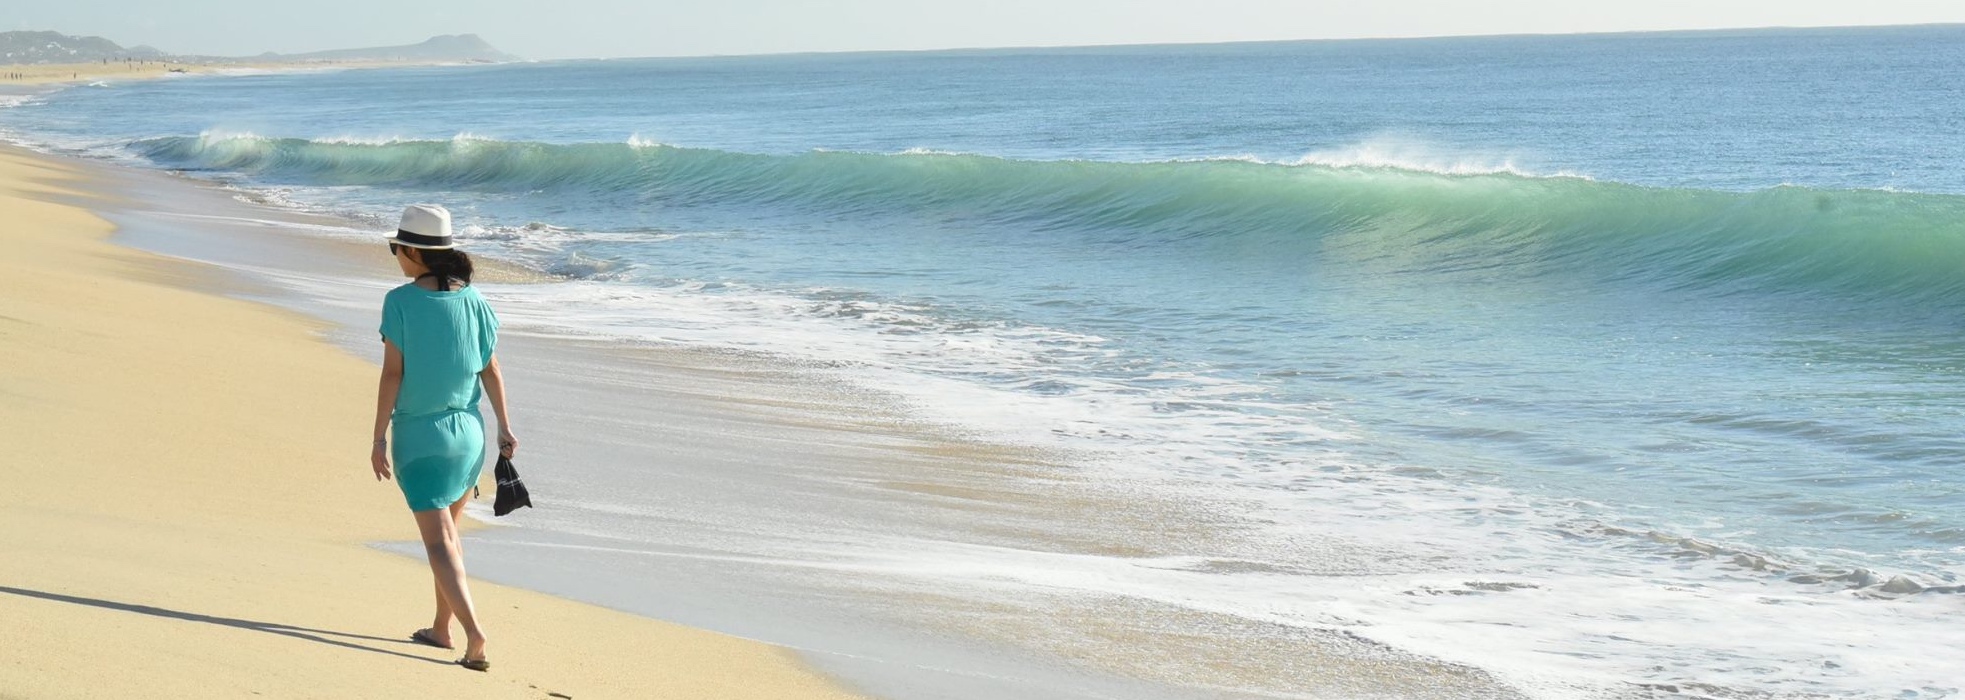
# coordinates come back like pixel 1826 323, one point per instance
pixel 438 335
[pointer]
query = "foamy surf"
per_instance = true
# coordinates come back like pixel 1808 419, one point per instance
pixel 1470 594
pixel 1494 564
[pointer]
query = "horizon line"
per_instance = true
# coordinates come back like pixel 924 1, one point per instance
pixel 1414 37
pixel 1111 45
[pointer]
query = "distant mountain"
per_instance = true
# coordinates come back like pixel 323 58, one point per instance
pixel 55 47
pixel 449 47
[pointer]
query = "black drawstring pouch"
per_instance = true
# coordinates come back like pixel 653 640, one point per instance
pixel 511 491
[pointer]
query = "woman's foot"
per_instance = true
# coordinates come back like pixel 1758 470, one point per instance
pixel 432 637
pixel 474 655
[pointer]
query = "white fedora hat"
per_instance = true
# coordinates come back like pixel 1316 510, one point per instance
pixel 424 226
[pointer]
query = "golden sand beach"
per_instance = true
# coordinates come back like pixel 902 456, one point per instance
pixel 186 502
pixel 50 73
pixel 39 73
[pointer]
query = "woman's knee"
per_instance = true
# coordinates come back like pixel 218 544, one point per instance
pixel 436 527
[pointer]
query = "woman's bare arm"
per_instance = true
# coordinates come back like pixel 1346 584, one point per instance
pixel 494 389
pixel 385 403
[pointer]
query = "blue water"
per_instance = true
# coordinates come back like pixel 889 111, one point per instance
pixel 1685 298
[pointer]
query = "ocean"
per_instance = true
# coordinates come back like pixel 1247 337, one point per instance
pixel 1609 363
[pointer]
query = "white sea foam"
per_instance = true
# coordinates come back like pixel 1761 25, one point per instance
pixel 1498 580
pixel 217 135
pixel 1469 574
pixel 1395 153
pixel 346 140
pixel 920 151
pixel 1555 634
pixel 1477 575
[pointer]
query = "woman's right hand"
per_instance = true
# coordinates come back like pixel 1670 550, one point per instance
pixel 378 459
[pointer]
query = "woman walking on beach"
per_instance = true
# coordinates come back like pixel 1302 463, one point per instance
pixel 438 335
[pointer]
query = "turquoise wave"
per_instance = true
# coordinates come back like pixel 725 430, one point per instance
pixel 1893 246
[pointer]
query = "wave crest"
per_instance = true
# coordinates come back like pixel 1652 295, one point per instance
pixel 1369 210
pixel 1383 153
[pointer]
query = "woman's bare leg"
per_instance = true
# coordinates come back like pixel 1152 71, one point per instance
pixel 440 542
pixel 440 626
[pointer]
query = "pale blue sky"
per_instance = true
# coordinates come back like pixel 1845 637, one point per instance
pixel 619 28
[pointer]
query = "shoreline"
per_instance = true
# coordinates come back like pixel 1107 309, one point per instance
pixel 972 495
pixel 184 558
pixel 52 74
pixel 735 413
pixel 329 280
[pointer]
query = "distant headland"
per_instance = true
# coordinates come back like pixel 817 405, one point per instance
pixel 53 57
pixel 40 48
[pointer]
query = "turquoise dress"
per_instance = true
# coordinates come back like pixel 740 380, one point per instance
pixel 446 338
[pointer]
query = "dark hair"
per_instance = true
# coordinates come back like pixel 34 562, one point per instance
pixel 447 265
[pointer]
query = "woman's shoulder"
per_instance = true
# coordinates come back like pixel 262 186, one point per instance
pixel 399 291
pixel 468 292
pixel 483 306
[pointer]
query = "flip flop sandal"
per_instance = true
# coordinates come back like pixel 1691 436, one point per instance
pixel 423 637
pixel 475 664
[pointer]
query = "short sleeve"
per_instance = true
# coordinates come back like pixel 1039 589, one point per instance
pixel 392 320
pixel 487 333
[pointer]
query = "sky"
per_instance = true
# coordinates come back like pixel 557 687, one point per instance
pixel 550 29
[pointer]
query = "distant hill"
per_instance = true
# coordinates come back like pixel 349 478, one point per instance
pixel 449 47
pixel 55 47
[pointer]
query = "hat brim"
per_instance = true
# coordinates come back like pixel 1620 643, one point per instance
pixel 424 246
pixel 428 241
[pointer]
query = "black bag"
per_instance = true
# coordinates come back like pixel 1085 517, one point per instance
pixel 511 491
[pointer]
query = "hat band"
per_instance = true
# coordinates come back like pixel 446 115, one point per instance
pixel 418 239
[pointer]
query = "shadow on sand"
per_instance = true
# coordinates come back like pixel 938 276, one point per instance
pixel 309 634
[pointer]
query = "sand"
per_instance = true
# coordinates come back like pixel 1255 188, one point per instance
pixel 49 73
pixel 39 73
pixel 187 502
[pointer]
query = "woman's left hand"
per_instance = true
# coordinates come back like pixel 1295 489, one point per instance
pixel 508 444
